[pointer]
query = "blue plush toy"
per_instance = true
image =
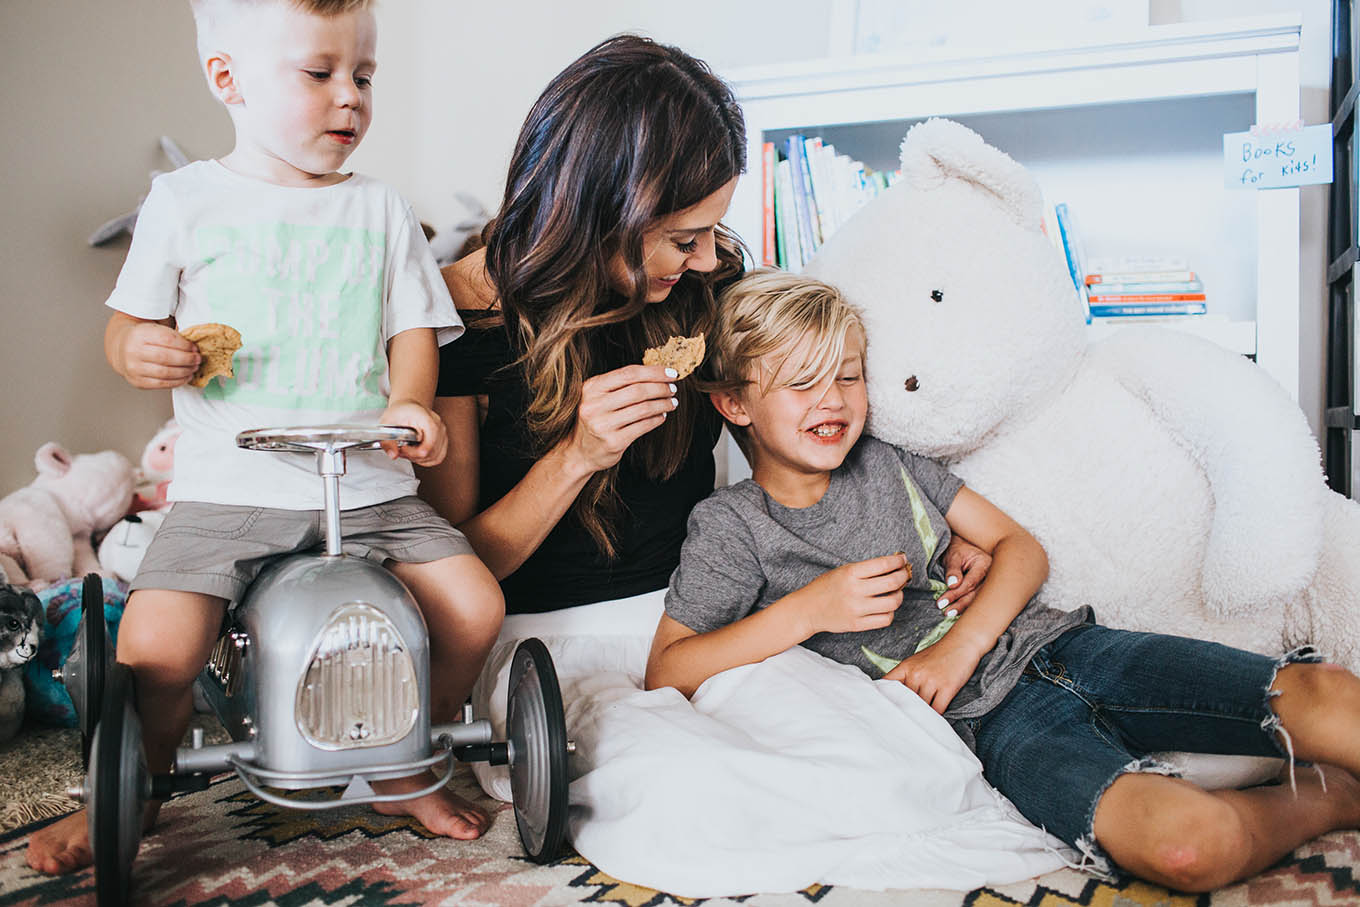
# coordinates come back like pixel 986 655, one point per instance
pixel 48 701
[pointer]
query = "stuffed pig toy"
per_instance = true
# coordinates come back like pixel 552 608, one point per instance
pixel 1174 485
pixel 46 526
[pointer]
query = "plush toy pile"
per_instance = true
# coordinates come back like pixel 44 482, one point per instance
pixel 1175 486
pixel 47 527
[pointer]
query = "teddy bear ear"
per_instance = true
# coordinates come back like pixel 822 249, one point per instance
pixel 52 459
pixel 938 150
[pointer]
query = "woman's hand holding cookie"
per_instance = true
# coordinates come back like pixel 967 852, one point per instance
pixel 616 409
pixel 151 355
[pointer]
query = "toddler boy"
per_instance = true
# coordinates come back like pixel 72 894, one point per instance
pixel 340 306
pixel 835 544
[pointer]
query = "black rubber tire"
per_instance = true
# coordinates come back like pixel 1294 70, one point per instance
pixel 537 738
pixel 95 660
pixel 118 786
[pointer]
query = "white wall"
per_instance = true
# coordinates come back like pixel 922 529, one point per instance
pixel 90 84
pixel 463 76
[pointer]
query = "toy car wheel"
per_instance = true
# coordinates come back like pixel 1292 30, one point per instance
pixel 86 668
pixel 537 736
pixel 117 788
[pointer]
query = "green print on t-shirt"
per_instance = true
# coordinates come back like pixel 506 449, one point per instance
pixel 308 302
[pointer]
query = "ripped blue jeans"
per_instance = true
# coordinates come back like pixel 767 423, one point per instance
pixel 1095 701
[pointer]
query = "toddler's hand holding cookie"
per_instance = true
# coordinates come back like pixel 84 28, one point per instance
pixel 150 355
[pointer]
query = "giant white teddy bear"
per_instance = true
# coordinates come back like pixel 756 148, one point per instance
pixel 1175 486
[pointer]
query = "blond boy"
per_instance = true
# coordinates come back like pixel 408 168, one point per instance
pixel 328 279
pixel 835 545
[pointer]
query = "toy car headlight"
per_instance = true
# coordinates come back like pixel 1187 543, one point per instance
pixel 360 686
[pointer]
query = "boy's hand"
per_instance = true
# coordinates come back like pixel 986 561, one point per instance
pixel 936 673
pixel 151 355
pixel 434 441
pixel 859 596
pixel 965 567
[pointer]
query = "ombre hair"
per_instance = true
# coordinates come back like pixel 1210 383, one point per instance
pixel 769 320
pixel 630 132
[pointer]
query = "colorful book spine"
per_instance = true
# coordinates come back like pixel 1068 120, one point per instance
pixel 790 256
pixel 1072 250
pixel 1130 298
pixel 1067 234
pixel 802 195
pixel 819 179
pixel 769 256
pixel 1099 310
pixel 1173 276
pixel 1145 287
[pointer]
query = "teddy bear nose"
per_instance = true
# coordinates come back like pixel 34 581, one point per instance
pixel 911 383
pixel 937 295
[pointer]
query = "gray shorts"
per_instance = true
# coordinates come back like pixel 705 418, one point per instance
pixel 217 549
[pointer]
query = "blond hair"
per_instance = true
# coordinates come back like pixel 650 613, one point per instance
pixel 766 318
pixel 211 16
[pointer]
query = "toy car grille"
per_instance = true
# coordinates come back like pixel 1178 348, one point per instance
pixel 226 662
pixel 360 686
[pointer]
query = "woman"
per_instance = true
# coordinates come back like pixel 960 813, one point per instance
pixel 574 487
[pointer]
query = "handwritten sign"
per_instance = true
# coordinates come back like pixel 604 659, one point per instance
pixel 1274 159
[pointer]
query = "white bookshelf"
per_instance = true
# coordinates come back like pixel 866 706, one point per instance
pixel 1127 130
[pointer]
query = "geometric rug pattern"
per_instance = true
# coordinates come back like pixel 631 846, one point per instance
pixel 224 847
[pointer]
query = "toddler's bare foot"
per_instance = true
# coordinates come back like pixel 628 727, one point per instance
pixel 62 847
pixel 442 812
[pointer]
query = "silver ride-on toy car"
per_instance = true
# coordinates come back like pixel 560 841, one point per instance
pixel 321 677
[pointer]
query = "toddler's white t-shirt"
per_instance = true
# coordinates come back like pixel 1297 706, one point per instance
pixel 317 281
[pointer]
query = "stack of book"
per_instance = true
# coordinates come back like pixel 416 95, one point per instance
pixel 809 191
pixel 1130 287
pixel 1142 288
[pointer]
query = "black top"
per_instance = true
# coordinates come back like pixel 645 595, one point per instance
pixel 568 569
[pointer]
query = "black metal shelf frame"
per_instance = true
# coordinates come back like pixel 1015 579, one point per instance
pixel 1341 420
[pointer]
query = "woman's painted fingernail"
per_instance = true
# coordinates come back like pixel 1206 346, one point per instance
pixel 671 373
pixel 942 604
pixel 674 403
pixel 952 612
pixel 672 387
pixel 951 581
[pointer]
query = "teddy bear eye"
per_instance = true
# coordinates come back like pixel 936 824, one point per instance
pixel 937 295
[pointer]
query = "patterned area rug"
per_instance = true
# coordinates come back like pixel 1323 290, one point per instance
pixel 222 846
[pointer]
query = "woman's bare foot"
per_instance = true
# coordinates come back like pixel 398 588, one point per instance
pixel 442 812
pixel 62 847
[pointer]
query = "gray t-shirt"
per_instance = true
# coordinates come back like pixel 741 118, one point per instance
pixel 744 551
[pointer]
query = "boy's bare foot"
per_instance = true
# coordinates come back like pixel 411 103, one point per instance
pixel 62 847
pixel 442 812
pixel 1343 792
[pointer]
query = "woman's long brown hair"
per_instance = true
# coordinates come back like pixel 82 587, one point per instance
pixel 630 132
